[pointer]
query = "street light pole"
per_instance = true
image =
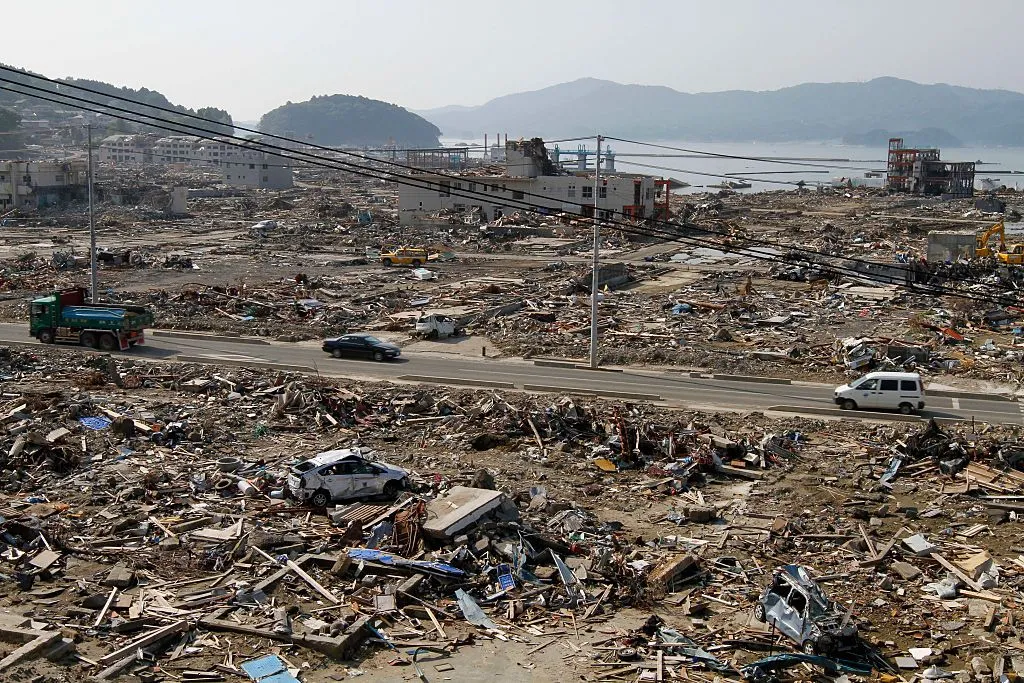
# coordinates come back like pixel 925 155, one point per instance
pixel 597 246
pixel 92 225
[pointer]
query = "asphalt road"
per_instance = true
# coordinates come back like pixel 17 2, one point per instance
pixel 674 388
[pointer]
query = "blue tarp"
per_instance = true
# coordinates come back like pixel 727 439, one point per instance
pixel 95 423
pixel 397 561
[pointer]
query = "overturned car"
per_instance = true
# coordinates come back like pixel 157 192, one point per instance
pixel 795 604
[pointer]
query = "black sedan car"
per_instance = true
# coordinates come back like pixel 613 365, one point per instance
pixel 362 345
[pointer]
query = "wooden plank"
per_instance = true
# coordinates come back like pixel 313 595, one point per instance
pixel 103 612
pixel 312 582
pixel 148 639
pixel 956 570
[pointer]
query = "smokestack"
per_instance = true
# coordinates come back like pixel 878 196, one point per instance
pixel 487 150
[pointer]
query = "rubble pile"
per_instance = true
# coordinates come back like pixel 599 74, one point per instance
pixel 154 524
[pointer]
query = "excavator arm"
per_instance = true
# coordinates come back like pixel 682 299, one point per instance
pixel 981 247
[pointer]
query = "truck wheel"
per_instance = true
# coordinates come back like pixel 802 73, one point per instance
pixel 109 343
pixel 88 339
pixel 849 404
pixel 906 409
pixel 46 336
pixel 320 499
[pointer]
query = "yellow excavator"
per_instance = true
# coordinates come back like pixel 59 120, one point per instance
pixel 1010 254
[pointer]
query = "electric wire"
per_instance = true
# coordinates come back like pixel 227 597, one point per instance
pixel 420 183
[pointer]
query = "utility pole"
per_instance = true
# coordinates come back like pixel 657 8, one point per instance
pixel 596 270
pixel 92 225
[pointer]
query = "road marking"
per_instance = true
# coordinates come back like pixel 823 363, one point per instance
pixel 956 404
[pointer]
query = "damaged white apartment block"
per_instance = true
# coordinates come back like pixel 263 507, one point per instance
pixel 531 178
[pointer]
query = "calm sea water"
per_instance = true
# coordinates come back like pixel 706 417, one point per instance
pixel 811 162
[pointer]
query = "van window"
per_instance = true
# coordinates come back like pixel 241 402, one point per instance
pixel 908 385
pixel 868 385
pixel 890 385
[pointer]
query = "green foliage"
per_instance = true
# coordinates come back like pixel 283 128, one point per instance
pixel 8 120
pixel 350 120
pixel 106 96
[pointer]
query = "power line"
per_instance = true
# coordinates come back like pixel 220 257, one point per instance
pixel 734 156
pixel 629 229
pixel 521 204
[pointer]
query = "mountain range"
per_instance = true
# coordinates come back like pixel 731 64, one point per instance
pixel 866 112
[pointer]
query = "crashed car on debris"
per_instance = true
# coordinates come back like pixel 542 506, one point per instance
pixel 344 474
pixel 795 604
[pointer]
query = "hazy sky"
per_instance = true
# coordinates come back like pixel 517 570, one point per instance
pixel 249 57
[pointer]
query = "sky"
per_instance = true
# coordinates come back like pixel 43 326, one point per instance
pixel 250 57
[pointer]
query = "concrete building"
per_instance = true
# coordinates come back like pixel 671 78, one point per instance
pixel 923 172
pixel 126 150
pixel 177 149
pixel 257 169
pixel 532 178
pixel 238 166
pixel 33 185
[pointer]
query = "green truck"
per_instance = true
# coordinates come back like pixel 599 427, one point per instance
pixel 65 317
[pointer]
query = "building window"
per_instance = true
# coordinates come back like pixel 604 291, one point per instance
pixel 228 177
pixel 458 186
pixel 252 166
pixel 472 187
pixel 445 189
pixel 265 179
pixel 572 190
pixel 264 167
pixel 588 192
pixel 517 194
pixel 603 192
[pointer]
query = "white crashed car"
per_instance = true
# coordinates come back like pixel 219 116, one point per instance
pixel 342 475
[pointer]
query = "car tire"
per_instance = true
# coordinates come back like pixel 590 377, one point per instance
pixel 848 404
pixel 759 612
pixel 809 647
pixel 906 409
pixel 391 489
pixel 320 499
pixel 378 356
pixel 46 336
pixel 88 339
pixel 109 343
pixel 387 262
pixel 337 353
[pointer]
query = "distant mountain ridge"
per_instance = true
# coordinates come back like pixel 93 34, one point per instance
pixel 811 111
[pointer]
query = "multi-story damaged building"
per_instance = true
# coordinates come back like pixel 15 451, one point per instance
pixel 531 178
pixel 922 171
pixel 37 184
pixel 239 166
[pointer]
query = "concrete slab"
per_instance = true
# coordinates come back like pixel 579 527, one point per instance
pixel 461 508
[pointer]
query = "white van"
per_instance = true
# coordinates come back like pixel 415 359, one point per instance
pixel 902 391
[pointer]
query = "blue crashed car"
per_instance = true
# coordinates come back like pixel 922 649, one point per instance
pixel 795 604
